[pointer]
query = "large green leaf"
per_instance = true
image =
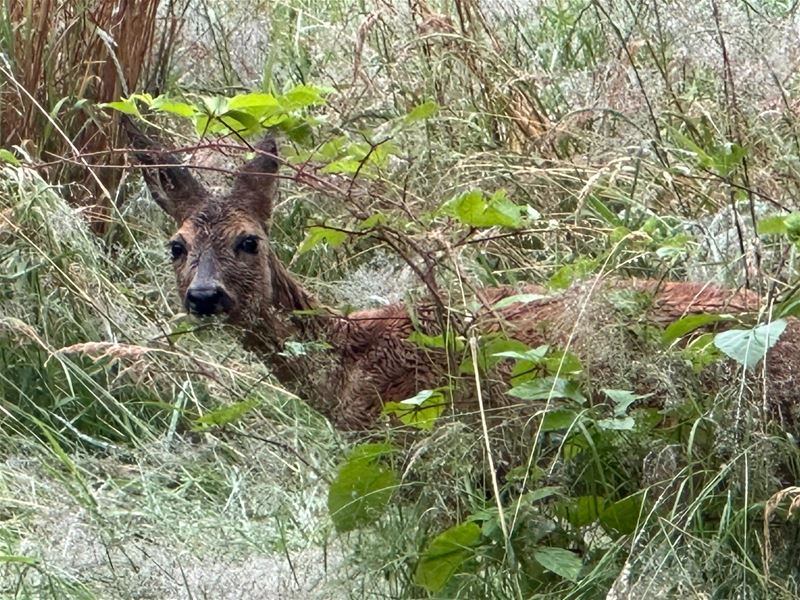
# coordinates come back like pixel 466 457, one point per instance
pixel 548 387
pixel 255 101
pixel 772 225
pixel 679 328
pixel 581 511
pixel 164 104
pixel 303 96
pixel 474 209
pixel 421 411
pixel 622 400
pixel 560 561
pixel 445 555
pixel 422 111
pixel 362 488
pixel 748 346
pixel 617 424
pixel 318 234
pixel 555 420
pixel 622 517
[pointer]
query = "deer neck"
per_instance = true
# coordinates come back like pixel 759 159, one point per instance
pixel 294 316
pixel 291 315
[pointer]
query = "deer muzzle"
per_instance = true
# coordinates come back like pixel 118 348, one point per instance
pixel 206 296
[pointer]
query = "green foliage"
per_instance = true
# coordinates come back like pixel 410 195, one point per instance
pixel 360 493
pixel 421 112
pixel 445 555
pixel 244 114
pixel 723 158
pixel 562 562
pixel 547 388
pixel 317 235
pixel 788 225
pixel 475 209
pixel 8 157
pixel 225 415
pixel 688 324
pixel 749 346
pixel 421 411
pixel 565 276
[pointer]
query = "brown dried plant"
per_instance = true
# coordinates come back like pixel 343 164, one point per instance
pixel 61 59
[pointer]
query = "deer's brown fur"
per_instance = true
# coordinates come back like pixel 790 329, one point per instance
pixel 224 264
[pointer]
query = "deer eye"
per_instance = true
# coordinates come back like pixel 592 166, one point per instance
pixel 248 245
pixel 177 249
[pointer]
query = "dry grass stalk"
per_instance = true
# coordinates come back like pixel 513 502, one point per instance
pixel 508 97
pixel 101 350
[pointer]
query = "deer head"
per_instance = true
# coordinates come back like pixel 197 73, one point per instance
pixel 220 253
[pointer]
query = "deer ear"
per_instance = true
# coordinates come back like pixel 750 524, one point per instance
pixel 171 184
pixel 254 185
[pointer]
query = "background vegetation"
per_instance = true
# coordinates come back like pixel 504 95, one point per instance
pixel 146 455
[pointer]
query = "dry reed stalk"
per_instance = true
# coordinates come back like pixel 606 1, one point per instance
pixel 59 55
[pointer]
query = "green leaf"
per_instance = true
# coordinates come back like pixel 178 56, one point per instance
pixel 727 157
pixel 601 209
pixel 302 96
pixel 213 106
pixel 491 350
pixel 362 488
pixel 344 165
pixel 127 106
pixel 622 517
pixel 617 424
pixel 540 494
pixel 19 559
pixel 318 234
pixel 562 362
pixel 748 346
pixel 421 411
pixel 371 452
pixel 181 109
pixel 678 329
pixel 622 400
pixel 581 511
pixel 372 221
pixel 560 561
pixel 423 111
pixel 556 420
pixel 772 225
pixel 566 275
pixel 792 223
pixel 239 121
pixel 225 415
pixel 441 341
pixel 445 555
pixel 8 156
pixel 256 100
pixel 534 355
pixel 548 387
pixel 472 208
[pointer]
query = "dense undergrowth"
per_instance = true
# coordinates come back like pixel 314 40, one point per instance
pixel 146 455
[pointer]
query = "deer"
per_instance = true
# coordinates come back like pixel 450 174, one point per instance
pixel 225 267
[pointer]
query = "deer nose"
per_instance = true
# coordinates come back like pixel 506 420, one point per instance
pixel 205 301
